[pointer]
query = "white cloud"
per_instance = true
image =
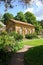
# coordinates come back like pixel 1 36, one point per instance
pixel 37 11
pixel 29 9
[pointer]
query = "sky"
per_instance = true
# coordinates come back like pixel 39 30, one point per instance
pixel 36 8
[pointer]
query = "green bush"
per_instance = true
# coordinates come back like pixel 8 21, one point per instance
pixel 34 56
pixel 6 49
pixel 1 42
pixel 7 43
pixel 3 33
pixel 31 36
pixel 17 36
pixel 8 46
pixel 18 46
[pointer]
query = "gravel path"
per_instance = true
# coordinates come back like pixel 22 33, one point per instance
pixel 17 58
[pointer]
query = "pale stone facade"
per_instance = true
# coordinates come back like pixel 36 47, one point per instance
pixel 20 27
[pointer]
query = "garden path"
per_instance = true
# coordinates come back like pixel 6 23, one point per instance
pixel 18 58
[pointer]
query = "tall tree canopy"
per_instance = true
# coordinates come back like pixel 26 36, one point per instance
pixel 7 16
pixel 30 17
pixel 20 16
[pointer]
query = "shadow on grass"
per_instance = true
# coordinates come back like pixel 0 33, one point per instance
pixel 34 56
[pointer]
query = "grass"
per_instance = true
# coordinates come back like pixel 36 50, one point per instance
pixel 34 42
pixel 34 56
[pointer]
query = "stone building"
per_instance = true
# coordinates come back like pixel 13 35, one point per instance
pixel 20 27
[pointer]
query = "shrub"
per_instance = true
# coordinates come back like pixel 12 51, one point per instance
pixel 18 46
pixel 1 42
pixel 34 56
pixel 7 43
pixel 17 36
pixel 3 33
pixel 31 36
pixel 8 46
pixel 6 49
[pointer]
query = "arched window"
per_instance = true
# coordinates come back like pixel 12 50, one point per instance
pixel 20 30
pixel 26 30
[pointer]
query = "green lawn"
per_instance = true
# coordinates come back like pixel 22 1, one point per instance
pixel 34 56
pixel 34 42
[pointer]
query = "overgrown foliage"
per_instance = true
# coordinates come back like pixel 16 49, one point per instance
pixel 6 17
pixel 30 17
pixel 31 36
pixel 9 42
pixel 8 46
pixel 20 16
pixel 17 36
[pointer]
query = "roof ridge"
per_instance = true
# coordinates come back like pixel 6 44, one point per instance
pixel 17 21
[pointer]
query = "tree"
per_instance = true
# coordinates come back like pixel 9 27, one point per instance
pixel 7 16
pixel 32 19
pixel 38 28
pixel 41 22
pixel 20 16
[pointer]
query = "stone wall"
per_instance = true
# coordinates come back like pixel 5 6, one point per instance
pixel 24 29
pixel 20 28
